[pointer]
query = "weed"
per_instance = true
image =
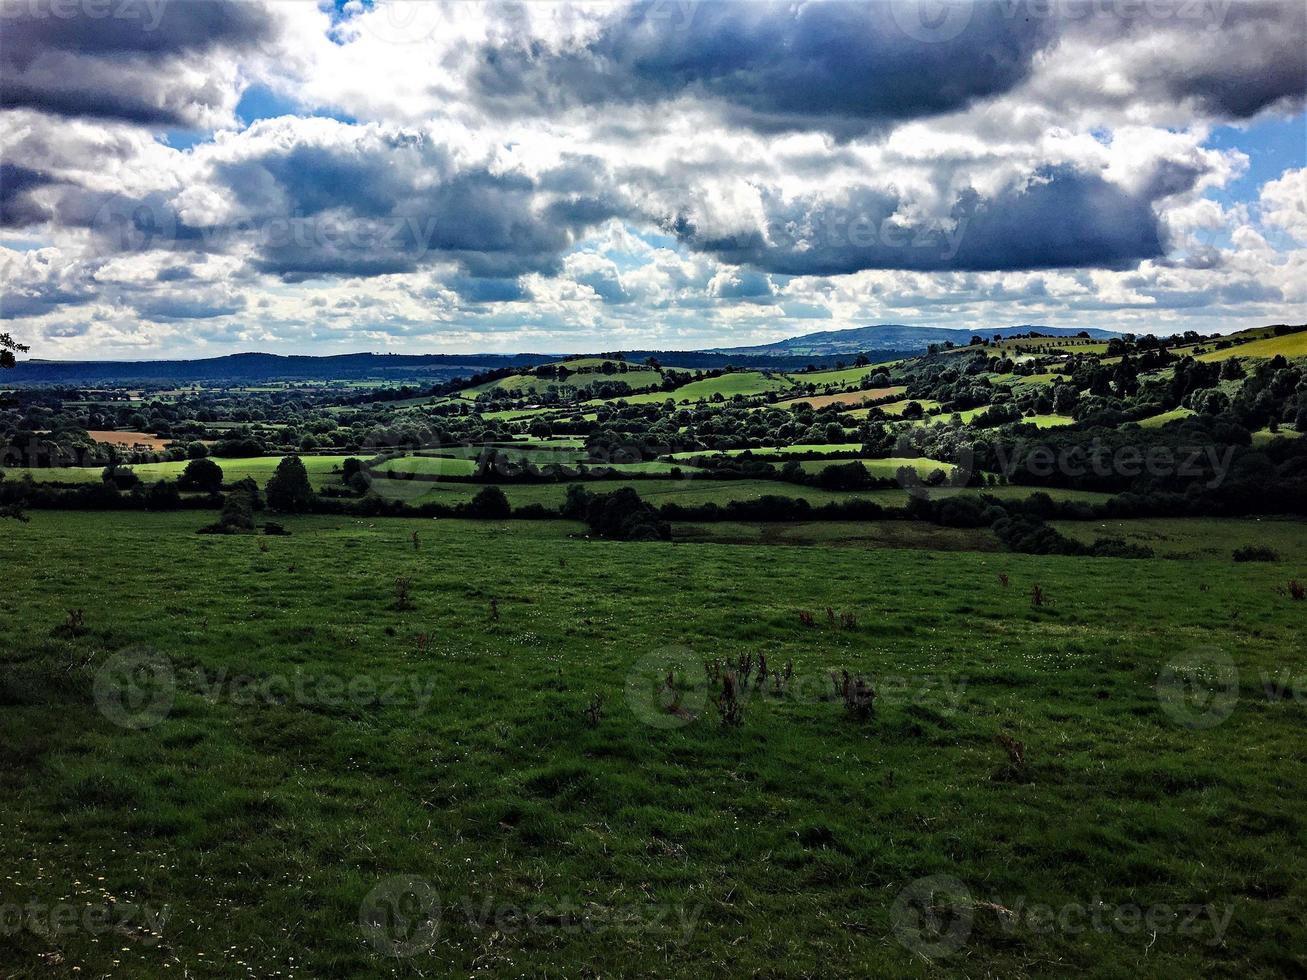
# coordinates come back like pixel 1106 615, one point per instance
pixel 1037 597
pixel 595 710
pixel 729 705
pixel 73 625
pixel 858 695
pixel 806 618
pixel 848 621
pixel 1297 590
pixel 403 592
pixel 1016 755
pixel 1003 580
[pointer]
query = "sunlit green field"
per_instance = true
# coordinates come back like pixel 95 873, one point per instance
pixel 305 776
pixel 321 469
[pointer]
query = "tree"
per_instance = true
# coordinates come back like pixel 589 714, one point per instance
pixel 201 474
pixel 289 489
pixel 8 348
pixel 489 503
pixel 196 450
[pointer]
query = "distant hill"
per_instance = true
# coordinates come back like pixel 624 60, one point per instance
pixel 883 342
pixel 247 368
pixel 894 337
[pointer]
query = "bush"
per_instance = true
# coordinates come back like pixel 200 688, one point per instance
pixel 201 474
pixel 289 489
pixel 489 504
pixel 1255 552
pixel 624 516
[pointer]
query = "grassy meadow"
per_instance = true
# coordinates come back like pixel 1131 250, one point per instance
pixel 316 778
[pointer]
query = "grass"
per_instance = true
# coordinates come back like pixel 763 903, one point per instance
pixel 263 821
pixel 686 491
pixel 1290 345
pixel 428 466
pixel 729 385
pixel 1157 421
pixel 852 399
pixel 1049 421
pixel 1199 538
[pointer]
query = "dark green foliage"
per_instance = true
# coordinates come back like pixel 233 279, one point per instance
pixel 489 504
pixel 201 474
pixel 623 516
pixel 289 490
pixel 1254 552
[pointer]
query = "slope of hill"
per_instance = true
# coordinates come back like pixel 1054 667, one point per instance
pixel 895 337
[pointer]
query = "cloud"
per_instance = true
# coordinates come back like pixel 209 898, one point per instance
pixel 143 61
pixel 1283 203
pixel 1058 217
pixel 843 67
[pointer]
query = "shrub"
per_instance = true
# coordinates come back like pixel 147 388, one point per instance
pixel 489 504
pixel 624 516
pixel 201 474
pixel 1255 552
pixel 289 489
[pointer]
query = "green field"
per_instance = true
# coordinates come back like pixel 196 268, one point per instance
pixel 729 385
pixel 1290 345
pixel 321 469
pixel 1157 421
pixel 319 749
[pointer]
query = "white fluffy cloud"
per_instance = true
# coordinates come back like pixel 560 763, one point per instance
pixel 485 176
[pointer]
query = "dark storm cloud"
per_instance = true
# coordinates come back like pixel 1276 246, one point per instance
pixel 17 209
pixel 130 60
pixel 1060 218
pixel 842 67
pixel 1256 57
pixel 357 201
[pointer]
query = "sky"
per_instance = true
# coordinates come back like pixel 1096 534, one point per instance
pixel 186 178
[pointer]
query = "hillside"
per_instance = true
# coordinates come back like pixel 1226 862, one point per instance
pixel 896 337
